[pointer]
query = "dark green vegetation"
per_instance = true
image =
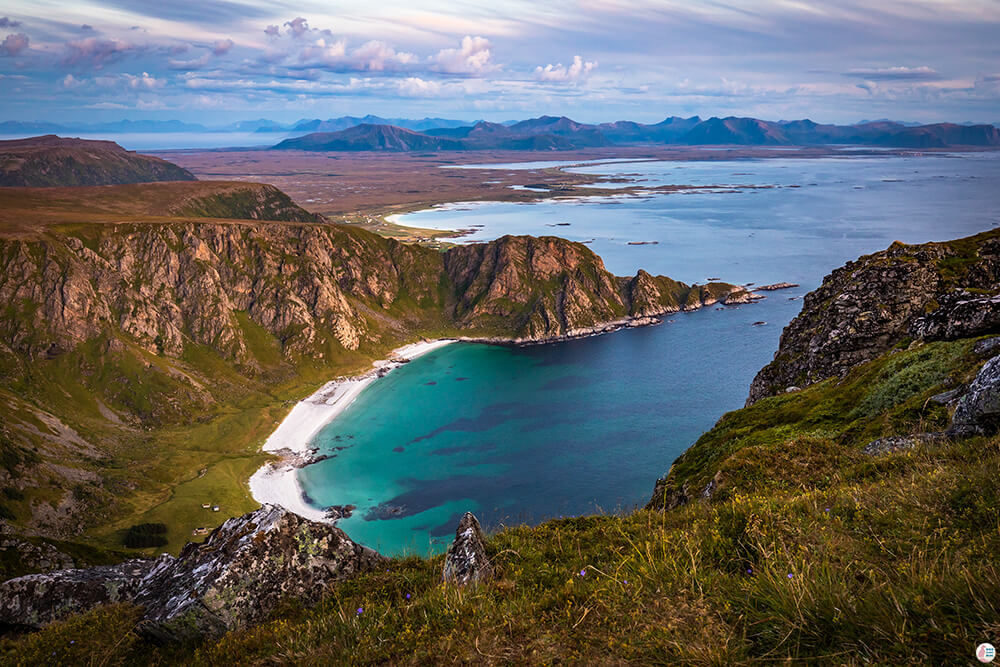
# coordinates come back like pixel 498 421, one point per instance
pixel 53 161
pixel 807 550
pixel 144 535
pixel 148 357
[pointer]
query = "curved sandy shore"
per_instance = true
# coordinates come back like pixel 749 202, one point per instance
pixel 277 482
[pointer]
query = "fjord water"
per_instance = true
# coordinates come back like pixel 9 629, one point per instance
pixel 524 434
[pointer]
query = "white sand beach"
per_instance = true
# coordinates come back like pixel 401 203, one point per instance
pixel 277 482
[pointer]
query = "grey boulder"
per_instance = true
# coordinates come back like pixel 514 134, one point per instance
pixel 236 577
pixel 466 561
pixel 978 412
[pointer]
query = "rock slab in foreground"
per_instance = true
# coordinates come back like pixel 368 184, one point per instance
pixel 236 577
pixel 466 561
pixel 978 412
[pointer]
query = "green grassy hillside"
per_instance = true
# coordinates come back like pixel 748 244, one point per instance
pixel 809 551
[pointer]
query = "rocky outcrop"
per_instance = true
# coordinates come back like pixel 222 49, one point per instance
pixel 157 322
pixel 244 201
pixel 960 314
pixel 54 161
pixel 31 556
pixel 978 411
pixel 538 289
pixel 900 443
pixel 236 577
pixel 466 561
pixel 867 306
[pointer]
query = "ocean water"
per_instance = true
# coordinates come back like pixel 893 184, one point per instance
pixel 525 434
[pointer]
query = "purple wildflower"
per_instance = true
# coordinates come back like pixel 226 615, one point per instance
pixel 407 596
pixel 361 609
pixel 583 572
pixel 790 575
pixel 749 570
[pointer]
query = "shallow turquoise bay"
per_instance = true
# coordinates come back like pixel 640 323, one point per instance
pixel 525 434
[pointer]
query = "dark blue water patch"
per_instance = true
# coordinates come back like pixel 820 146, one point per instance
pixel 565 383
pixel 462 449
pixel 447 528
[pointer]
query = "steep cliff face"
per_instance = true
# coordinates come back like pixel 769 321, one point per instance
pixel 111 330
pixel 865 307
pixel 535 289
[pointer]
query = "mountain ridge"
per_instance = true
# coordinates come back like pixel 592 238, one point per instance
pixel 52 161
pixel 562 133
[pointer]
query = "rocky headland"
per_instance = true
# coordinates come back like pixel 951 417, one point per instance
pixel 49 161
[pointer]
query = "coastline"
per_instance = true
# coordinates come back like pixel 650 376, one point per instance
pixel 277 482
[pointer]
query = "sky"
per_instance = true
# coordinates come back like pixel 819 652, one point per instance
pixel 592 60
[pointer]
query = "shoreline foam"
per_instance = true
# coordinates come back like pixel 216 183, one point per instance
pixel 277 482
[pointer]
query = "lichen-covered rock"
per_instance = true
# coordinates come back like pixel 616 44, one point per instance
pixel 36 599
pixel 959 315
pixel 899 443
pixel 987 347
pixel 978 411
pixel 466 561
pixel 666 496
pixel 867 306
pixel 237 576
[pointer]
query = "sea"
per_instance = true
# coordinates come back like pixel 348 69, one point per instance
pixel 522 435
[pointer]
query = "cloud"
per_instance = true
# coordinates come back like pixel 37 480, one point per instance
pixel 297 26
pixel 222 47
pixel 896 74
pixel 107 105
pixel 218 48
pixel 272 31
pixel 96 52
pixel 7 22
pixel 472 57
pixel 14 44
pixel 413 86
pixel 70 81
pixel 373 56
pixel 142 81
pixel 86 27
pixel 578 71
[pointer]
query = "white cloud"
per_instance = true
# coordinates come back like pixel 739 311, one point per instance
pixel 472 57
pixel 142 81
pixel 414 86
pixel 578 71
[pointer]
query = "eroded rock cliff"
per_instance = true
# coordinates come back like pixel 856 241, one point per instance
pixel 932 291
pixel 110 330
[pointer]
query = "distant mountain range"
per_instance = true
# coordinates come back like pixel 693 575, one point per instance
pixel 556 132
pixel 262 125
pixel 561 133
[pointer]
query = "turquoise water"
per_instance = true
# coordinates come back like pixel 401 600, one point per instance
pixel 524 434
